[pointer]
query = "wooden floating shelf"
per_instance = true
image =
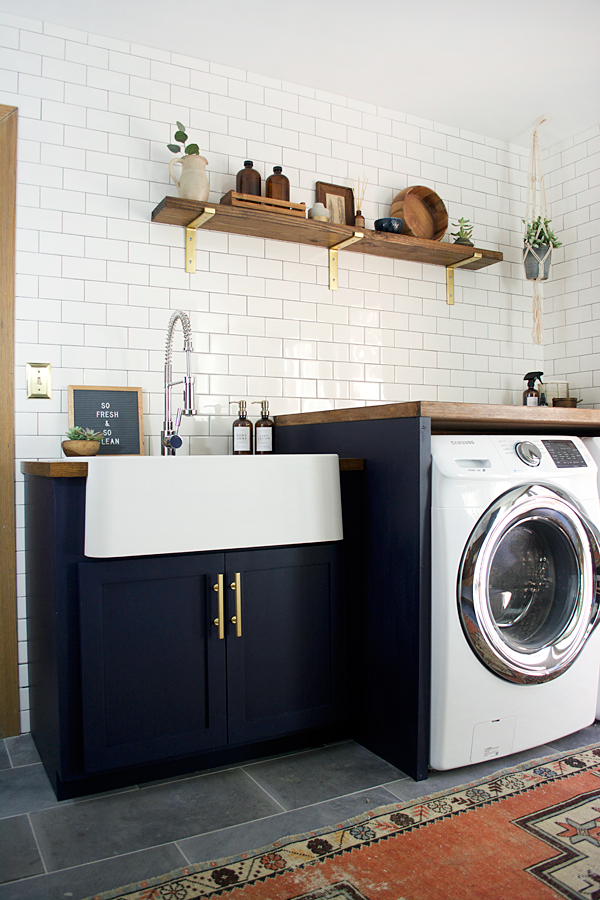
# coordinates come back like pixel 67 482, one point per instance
pixel 277 227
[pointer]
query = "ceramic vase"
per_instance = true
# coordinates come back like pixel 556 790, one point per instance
pixel 193 183
pixel 80 448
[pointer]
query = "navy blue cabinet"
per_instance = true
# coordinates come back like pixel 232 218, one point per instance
pixel 152 677
pixel 134 674
pixel 158 680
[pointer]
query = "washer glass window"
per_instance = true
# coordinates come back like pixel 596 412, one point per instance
pixel 528 584
pixel 534 582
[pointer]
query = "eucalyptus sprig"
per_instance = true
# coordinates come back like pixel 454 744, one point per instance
pixel 77 433
pixel 181 137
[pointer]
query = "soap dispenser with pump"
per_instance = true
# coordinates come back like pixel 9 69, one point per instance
pixel 242 432
pixel 263 429
pixel 531 396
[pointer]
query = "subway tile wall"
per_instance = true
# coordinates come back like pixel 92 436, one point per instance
pixel 572 296
pixel 97 281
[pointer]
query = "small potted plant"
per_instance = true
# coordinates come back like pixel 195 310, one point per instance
pixel 193 184
pixel 463 235
pixel 82 441
pixel 538 242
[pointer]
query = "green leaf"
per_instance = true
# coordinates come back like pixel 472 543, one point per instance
pixel 180 126
pixel 180 136
pixel 174 148
pixel 192 149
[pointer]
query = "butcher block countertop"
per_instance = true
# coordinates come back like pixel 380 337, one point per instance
pixel 78 468
pixel 465 418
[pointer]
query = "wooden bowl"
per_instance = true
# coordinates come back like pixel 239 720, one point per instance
pixel 423 212
pixel 80 448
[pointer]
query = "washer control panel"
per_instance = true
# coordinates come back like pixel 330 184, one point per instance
pixel 565 454
pixel 528 453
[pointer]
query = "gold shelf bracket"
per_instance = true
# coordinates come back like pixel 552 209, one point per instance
pixel 450 276
pixel 190 239
pixel 333 258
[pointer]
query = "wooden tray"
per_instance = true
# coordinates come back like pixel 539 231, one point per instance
pixel 251 201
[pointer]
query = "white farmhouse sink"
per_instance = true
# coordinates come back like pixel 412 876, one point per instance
pixel 143 505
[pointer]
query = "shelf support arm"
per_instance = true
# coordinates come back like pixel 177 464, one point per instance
pixel 333 258
pixel 450 276
pixel 190 239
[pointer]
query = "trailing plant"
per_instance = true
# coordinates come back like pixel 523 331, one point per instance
pixel 539 234
pixel 465 230
pixel 77 433
pixel 181 137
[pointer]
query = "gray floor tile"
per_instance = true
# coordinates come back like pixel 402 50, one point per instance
pixel 92 879
pixel 590 735
pixel 318 775
pixel 4 758
pixel 445 781
pixel 19 857
pixel 22 750
pixel 125 822
pixel 25 789
pixel 254 835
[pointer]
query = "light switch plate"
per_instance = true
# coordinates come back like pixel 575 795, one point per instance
pixel 39 380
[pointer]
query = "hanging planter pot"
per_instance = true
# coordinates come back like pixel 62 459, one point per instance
pixel 537 262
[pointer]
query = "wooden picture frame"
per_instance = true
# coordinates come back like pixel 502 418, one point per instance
pixel 117 411
pixel 338 200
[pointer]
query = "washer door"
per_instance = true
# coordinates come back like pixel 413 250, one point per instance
pixel 528 584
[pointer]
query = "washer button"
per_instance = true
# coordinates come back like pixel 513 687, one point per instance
pixel 528 453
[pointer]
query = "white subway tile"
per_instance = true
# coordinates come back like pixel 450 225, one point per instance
pixel 84 53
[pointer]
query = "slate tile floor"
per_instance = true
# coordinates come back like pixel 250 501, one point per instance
pixel 76 848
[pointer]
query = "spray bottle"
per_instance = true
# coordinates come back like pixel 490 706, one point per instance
pixel 531 397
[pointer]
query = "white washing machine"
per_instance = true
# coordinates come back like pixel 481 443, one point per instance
pixel 515 594
pixel 593 445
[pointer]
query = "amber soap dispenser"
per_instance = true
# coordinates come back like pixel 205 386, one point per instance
pixel 242 432
pixel 264 429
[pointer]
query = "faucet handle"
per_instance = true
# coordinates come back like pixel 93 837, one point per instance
pixel 172 441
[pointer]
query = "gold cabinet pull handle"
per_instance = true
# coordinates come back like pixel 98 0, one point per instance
pixel 220 620
pixel 236 620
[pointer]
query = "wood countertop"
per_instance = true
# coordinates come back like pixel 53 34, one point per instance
pixel 66 468
pixel 465 418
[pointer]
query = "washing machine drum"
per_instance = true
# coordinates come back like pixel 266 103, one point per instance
pixel 528 584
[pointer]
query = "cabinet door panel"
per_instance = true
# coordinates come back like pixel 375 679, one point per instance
pixel 283 673
pixel 152 667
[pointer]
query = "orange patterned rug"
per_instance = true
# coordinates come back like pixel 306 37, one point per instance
pixel 527 833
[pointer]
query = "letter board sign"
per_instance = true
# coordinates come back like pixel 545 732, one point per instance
pixel 115 411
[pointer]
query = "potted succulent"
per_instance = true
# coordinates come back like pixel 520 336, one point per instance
pixel 538 242
pixel 82 441
pixel 193 184
pixel 463 235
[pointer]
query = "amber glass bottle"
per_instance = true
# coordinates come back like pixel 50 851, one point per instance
pixel 247 180
pixel 278 185
pixel 263 429
pixel 242 432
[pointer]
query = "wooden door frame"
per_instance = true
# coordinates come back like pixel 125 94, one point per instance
pixel 9 670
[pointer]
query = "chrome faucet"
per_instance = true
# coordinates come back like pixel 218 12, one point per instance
pixel 169 436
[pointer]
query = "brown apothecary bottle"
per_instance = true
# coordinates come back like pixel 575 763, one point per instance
pixel 247 180
pixel 263 429
pixel 278 185
pixel 242 432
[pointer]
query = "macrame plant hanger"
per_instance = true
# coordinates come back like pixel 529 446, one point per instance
pixel 536 206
